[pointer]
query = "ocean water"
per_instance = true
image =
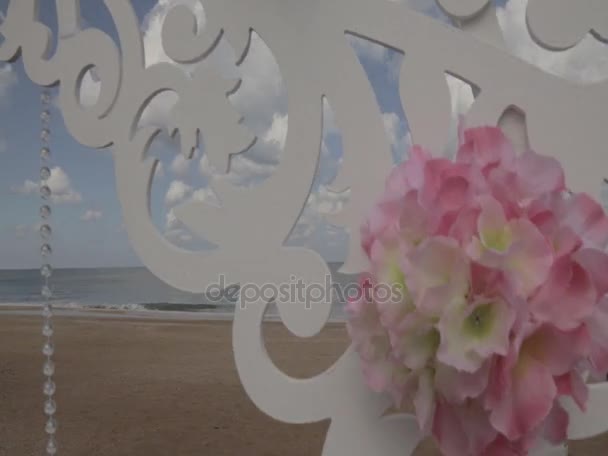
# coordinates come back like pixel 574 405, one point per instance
pixel 128 289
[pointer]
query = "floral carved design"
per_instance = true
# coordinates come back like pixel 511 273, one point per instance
pixel 302 35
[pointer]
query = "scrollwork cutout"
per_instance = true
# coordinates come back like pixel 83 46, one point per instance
pixel 561 24
pixel 309 43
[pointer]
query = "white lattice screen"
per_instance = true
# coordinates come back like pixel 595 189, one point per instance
pixel 309 41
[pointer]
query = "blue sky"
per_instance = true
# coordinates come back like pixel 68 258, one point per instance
pixel 87 225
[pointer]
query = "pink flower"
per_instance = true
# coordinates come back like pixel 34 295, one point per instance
pixel 463 429
pixel 473 332
pixel 415 341
pixel 495 296
pixel 567 297
pixel 597 325
pixel 456 386
pixel 424 400
pixel 390 292
pixel 587 219
pixel 485 147
pixel 538 175
pixel 409 174
pixel 437 275
pixel 524 384
pixel 521 394
pixel 514 246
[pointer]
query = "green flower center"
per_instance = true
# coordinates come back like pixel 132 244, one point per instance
pixel 498 240
pixel 480 322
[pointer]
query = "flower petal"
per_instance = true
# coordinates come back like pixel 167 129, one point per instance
pixel 587 218
pixel 485 146
pixel 437 269
pixel 471 333
pixel 567 297
pixel 555 427
pixel 572 384
pixel 457 386
pixel 448 431
pixel 492 226
pixel 476 425
pixel 530 258
pixel 559 351
pixel 424 401
pixel 538 174
pixel 414 341
pixel 595 263
pixel 528 401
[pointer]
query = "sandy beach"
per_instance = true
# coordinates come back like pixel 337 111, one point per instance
pixel 133 387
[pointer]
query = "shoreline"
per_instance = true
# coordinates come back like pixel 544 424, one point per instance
pixel 35 310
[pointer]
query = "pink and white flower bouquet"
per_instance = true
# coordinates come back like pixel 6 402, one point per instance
pixel 497 300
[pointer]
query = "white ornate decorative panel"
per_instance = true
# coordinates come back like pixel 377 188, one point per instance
pixel 308 38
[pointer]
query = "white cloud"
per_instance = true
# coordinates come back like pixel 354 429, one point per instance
pixel 205 167
pixel 324 201
pixel 313 230
pixel 399 138
pixel 261 97
pixel 181 164
pixel 461 95
pixel 207 195
pixel 392 126
pixel 586 62
pixel 177 191
pixel 277 133
pixel 91 215
pixel 60 185
pixel 171 221
pixel 27 188
pixel 174 229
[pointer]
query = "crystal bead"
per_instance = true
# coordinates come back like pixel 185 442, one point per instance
pixel 45 231
pixel 51 426
pixel 47 311
pixel 46 250
pixel 45 211
pixel 50 407
pixel 49 387
pixel 47 330
pixel 45 173
pixel 45 192
pixel 51 446
pixel 48 349
pixel 45 134
pixel 45 98
pixel 45 153
pixel 45 115
pixel 49 368
pixel 46 271
pixel 46 292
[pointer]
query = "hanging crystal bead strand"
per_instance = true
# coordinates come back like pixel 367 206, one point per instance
pixel 46 272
